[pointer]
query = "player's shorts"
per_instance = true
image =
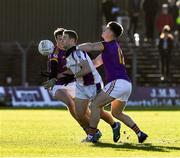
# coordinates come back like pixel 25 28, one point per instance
pixel 88 92
pixel 119 89
pixel 70 89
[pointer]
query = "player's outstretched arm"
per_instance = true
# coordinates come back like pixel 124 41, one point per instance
pixel 98 61
pixel 97 46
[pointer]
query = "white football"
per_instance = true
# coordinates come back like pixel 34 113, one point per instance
pixel 46 47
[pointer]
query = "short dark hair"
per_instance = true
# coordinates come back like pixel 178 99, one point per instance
pixel 72 34
pixel 116 28
pixel 58 31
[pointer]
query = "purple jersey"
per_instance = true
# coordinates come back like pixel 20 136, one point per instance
pixel 59 56
pixel 113 61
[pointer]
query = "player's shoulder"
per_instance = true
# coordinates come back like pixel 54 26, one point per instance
pixel 111 44
pixel 54 54
pixel 56 50
pixel 79 54
pixel 106 44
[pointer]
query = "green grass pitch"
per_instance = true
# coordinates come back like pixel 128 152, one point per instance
pixel 45 133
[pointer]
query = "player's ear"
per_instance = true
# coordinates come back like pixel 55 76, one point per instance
pixel 73 40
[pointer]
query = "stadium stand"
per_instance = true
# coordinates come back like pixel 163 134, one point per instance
pixel 148 66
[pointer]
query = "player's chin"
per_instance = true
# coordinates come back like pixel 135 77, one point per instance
pixel 102 36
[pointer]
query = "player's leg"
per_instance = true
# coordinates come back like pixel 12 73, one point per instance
pixel 103 98
pixel 65 97
pixel 117 108
pixel 107 117
pixel 90 92
pixel 104 115
pixel 122 91
pixel 82 111
pixel 99 102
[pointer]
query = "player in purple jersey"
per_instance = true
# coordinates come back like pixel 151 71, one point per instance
pixel 57 64
pixel 118 87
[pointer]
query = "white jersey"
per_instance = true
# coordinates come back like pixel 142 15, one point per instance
pixel 72 63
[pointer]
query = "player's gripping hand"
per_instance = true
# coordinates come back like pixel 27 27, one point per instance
pixel 66 79
pixel 49 84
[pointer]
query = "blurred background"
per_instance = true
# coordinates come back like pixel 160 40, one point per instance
pixel 150 43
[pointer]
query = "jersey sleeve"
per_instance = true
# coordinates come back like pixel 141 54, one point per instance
pixel 54 56
pixel 53 69
pixel 53 64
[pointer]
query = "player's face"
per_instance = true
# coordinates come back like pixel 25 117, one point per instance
pixel 67 42
pixel 59 41
pixel 107 33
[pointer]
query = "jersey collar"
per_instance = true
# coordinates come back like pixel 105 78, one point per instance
pixel 70 50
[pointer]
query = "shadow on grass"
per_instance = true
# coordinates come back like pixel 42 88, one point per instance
pixel 131 146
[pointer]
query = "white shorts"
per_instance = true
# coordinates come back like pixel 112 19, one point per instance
pixel 70 89
pixel 119 89
pixel 87 92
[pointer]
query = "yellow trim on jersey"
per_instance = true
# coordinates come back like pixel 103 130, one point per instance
pixel 56 51
pixel 54 59
pixel 121 57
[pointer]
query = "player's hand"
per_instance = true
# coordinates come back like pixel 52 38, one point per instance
pixel 50 83
pixel 60 75
pixel 66 79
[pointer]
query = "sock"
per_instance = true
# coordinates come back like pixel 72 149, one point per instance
pixel 86 129
pixel 113 125
pixel 136 129
pixel 92 130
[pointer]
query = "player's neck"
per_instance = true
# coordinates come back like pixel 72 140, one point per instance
pixel 61 48
pixel 72 46
pixel 109 40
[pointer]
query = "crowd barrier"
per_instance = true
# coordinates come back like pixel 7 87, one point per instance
pixel 30 97
pixel 155 96
pixel 141 96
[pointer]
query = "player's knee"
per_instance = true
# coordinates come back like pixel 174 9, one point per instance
pixel 70 104
pixel 114 114
pixel 117 114
pixel 102 113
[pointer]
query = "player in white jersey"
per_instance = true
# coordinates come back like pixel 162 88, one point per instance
pixel 88 82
